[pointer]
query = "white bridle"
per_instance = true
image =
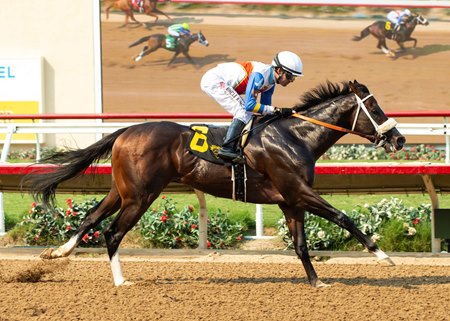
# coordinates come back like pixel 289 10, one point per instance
pixel 381 129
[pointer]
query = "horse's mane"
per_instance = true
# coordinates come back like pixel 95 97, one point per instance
pixel 322 93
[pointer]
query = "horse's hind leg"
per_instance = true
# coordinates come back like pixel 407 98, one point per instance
pixel 108 206
pixel 384 48
pixel 295 219
pixel 155 10
pixel 147 50
pixel 129 215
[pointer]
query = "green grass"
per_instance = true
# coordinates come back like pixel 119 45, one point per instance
pixel 17 205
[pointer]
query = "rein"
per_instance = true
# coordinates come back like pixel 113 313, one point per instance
pixel 334 127
pixel 380 129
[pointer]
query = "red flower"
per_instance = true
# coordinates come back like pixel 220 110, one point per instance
pixel 208 244
pixel 239 238
pixel 85 238
pixel 74 213
pixel 163 197
pixel 165 212
pixel 96 235
pixel 68 212
pixel 191 208
pixel 33 205
pixel 164 218
pixel 69 202
pixel 68 227
pixel 36 237
pixel 193 227
pixel 416 221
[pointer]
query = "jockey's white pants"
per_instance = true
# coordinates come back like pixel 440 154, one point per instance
pixel 173 33
pixel 216 88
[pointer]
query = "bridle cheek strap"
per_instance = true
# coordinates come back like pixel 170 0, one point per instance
pixel 381 129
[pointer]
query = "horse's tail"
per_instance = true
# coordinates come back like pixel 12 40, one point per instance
pixel 72 163
pixel 137 42
pixel 364 33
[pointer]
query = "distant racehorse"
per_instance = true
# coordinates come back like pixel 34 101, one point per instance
pixel 281 155
pixel 384 29
pixel 127 6
pixel 156 41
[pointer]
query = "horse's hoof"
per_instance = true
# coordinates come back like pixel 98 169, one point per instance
pixel 386 262
pixel 137 59
pixel 320 284
pixel 47 254
pixel 126 283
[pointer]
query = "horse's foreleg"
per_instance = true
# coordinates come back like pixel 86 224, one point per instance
pixel 295 219
pixel 411 39
pixel 108 206
pixel 186 54
pixel 173 58
pixel 318 206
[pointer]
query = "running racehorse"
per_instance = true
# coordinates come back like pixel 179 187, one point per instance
pixel 281 154
pixel 384 29
pixel 156 41
pixel 127 6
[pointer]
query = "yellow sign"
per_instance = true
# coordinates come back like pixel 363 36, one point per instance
pixel 18 107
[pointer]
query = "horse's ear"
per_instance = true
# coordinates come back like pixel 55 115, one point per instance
pixel 354 87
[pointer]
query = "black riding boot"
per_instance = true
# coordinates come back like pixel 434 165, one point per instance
pixel 228 151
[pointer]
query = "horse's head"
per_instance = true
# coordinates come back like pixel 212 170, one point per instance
pixel 421 20
pixel 370 120
pixel 202 39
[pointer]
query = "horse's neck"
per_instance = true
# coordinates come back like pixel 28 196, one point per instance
pixel 321 138
pixel 191 39
pixel 411 26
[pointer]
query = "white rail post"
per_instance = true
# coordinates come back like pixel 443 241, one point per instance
pixel 447 142
pixel 259 221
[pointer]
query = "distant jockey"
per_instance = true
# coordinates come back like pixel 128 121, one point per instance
pixel 178 30
pixel 398 18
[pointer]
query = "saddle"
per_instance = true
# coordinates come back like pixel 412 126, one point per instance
pixel 205 142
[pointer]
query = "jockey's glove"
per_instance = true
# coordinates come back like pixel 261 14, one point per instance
pixel 283 112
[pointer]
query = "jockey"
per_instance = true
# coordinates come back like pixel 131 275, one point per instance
pixel 227 81
pixel 139 4
pixel 398 18
pixel 179 29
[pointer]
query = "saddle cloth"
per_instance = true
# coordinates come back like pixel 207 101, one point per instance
pixel 205 140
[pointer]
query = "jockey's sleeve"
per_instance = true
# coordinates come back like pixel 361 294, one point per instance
pixel 255 83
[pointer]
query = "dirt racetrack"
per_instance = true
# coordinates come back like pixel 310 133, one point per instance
pixel 415 80
pixel 223 287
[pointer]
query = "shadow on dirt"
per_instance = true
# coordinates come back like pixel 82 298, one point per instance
pixel 413 53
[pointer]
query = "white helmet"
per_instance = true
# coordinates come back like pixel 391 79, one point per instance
pixel 407 12
pixel 289 62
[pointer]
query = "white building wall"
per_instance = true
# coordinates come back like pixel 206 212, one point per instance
pixel 66 34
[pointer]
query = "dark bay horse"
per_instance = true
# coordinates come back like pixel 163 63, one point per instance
pixel 383 30
pixel 156 41
pixel 281 155
pixel 127 6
